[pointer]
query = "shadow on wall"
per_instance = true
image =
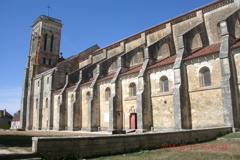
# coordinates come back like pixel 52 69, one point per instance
pixel 16 140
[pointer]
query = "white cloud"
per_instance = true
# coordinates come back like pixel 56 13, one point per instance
pixel 10 98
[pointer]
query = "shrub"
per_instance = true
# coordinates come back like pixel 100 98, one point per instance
pixel 5 126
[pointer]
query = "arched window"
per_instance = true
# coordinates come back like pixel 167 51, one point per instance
pixel 164 87
pixel 107 94
pixel 205 77
pixel 51 47
pixel 49 62
pixel 87 97
pixel 44 60
pixel 45 42
pixel 132 89
pixel 36 103
pixel 46 102
pixel 59 100
pixel 72 98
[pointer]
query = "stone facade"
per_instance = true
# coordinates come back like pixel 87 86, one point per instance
pixel 181 74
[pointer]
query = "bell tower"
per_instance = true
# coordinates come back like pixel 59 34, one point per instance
pixel 45 44
pixel 43 55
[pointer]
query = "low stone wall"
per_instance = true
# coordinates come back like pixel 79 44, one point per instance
pixel 92 146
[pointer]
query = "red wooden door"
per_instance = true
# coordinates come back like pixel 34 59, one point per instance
pixel 133 121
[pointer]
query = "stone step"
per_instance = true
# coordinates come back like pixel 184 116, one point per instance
pixel 29 156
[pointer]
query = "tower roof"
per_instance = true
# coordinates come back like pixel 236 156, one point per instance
pixel 47 18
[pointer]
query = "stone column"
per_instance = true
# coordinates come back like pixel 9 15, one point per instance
pixel 93 107
pixel 40 104
pixel 50 104
pixel 28 112
pixel 59 116
pixel 228 83
pixel 71 113
pixel 143 97
pixel 56 124
pixel 182 110
pixel 74 115
pixel 115 108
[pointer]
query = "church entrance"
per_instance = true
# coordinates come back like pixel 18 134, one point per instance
pixel 133 120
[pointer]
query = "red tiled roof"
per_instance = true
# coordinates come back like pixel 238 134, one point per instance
pixel 109 76
pixel 58 90
pixel 132 70
pixel 71 87
pixel 163 62
pixel 214 48
pixel 237 44
pixel 16 117
pixel 86 83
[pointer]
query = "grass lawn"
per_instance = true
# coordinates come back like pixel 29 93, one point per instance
pixel 226 148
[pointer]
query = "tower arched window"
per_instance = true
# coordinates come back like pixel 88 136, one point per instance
pixel 205 77
pixel 51 47
pixel 133 90
pixel 107 94
pixel 164 87
pixel 45 42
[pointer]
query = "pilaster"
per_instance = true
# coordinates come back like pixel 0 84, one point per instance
pixel 182 109
pixel 93 107
pixel 115 107
pixel 28 112
pixel 40 105
pixel 59 113
pixel 51 104
pixel 143 97
pixel 228 83
pixel 75 116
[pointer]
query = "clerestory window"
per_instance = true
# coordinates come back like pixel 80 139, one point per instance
pixel 164 87
pixel 205 77
pixel 133 90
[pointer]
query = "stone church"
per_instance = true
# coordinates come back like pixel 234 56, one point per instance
pixel 183 73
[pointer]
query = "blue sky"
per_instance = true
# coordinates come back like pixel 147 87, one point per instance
pixel 86 22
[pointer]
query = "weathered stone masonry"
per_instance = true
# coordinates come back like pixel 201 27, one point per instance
pixel 181 74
